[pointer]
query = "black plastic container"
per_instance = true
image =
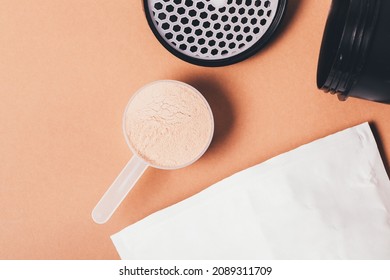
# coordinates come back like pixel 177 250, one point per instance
pixel 355 53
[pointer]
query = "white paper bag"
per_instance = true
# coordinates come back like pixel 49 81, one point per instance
pixel 329 199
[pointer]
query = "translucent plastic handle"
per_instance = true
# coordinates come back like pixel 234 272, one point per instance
pixel 118 190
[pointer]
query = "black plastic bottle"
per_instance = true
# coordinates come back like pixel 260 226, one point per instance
pixel 355 52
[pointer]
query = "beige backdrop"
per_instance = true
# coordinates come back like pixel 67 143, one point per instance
pixel 67 70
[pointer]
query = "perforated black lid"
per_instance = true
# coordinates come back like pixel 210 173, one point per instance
pixel 214 32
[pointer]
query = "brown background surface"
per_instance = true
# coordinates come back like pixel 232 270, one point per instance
pixel 67 70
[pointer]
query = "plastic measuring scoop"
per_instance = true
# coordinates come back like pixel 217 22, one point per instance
pixel 137 165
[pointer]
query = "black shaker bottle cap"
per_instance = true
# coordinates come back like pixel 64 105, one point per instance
pixel 214 32
pixel 355 52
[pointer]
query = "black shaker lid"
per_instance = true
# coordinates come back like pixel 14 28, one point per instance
pixel 214 32
pixel 345 44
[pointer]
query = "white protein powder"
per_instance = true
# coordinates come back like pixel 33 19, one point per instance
pixel 169 124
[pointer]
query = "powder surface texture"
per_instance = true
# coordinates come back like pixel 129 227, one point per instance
pixel 168 124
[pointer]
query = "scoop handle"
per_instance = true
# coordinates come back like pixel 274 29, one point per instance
pixel 118 190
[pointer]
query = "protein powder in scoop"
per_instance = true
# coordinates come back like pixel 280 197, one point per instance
pixel 168 124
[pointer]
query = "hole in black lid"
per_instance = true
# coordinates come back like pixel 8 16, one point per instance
pixel 187 30
pixel 195 22
pixel 198 32
pixel 169 8
pixel 192 13
pixel 165 26
pixel 260 13
pixel 200 5
pixel 249 38
pixel 158 6
pixel 181 10
pixel 211 8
